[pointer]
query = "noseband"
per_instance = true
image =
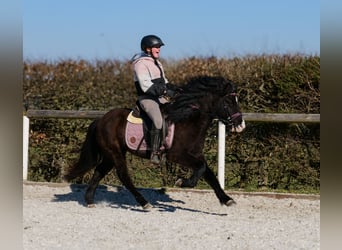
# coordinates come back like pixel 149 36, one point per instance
pixel 231 118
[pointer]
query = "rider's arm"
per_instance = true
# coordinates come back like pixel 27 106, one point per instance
pixel 149 79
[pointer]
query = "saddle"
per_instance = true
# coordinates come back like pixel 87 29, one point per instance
pixel 137 132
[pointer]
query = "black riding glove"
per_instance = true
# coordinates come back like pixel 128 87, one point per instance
pixel 171 93
pixel 173 87
pixel 157 89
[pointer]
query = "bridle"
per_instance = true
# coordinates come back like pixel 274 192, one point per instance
pixel 231 117
pixel 229 121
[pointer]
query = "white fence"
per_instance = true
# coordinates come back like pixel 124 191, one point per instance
pixel 255 117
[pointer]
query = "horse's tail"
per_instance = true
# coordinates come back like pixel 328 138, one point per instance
pixel 89 156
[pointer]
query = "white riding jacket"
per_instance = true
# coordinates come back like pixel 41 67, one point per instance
pixel 149 77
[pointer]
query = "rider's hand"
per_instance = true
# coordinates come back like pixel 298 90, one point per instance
pixel 171 93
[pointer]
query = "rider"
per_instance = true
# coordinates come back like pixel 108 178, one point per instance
pixel 152 87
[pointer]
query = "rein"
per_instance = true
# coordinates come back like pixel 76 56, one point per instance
pixel 230 119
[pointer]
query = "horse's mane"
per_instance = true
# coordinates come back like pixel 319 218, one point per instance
pixel 187 103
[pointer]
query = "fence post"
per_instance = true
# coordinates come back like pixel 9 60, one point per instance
pixel 26 135
pixel 221 152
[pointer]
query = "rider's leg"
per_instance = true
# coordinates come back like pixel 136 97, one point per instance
pixel 155 145
pixel 152 109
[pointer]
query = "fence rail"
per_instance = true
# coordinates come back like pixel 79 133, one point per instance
pixel 92 114
pixel 255 117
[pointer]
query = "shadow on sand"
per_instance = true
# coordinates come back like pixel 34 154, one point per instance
pixel 120 197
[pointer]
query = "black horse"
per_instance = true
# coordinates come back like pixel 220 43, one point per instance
pixel 202 99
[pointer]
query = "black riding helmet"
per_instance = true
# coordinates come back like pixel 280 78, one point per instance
pixel 150 41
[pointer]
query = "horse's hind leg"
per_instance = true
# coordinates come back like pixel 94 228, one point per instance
pixel 122 172
pixel 101 170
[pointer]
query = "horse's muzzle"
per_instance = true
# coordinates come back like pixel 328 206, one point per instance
pixel 238 128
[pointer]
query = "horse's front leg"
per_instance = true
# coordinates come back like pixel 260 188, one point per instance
pixel 211 179
pixel 202 169
pixel 192 181
pixel 195 162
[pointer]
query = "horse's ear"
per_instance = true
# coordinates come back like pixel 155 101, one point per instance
pixel 225 89
pixel 231 87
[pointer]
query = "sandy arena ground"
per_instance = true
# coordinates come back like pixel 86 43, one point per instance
pixel 55 217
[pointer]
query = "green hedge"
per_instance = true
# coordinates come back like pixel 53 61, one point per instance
pixel 265 156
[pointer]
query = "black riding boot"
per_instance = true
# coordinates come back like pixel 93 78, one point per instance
pixel 155 146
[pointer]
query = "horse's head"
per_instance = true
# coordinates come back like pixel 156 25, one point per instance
pixel 214 96
pixel 228 109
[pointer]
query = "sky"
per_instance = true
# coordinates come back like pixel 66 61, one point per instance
pixel 112 29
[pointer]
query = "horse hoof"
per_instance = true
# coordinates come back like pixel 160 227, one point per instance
pixel 230 203
pixel 179 183
pixel 147 206
pixel 91 205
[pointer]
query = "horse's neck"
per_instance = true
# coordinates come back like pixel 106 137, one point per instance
pixel 201 124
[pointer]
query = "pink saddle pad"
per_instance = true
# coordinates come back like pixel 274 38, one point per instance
pixel 134 134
